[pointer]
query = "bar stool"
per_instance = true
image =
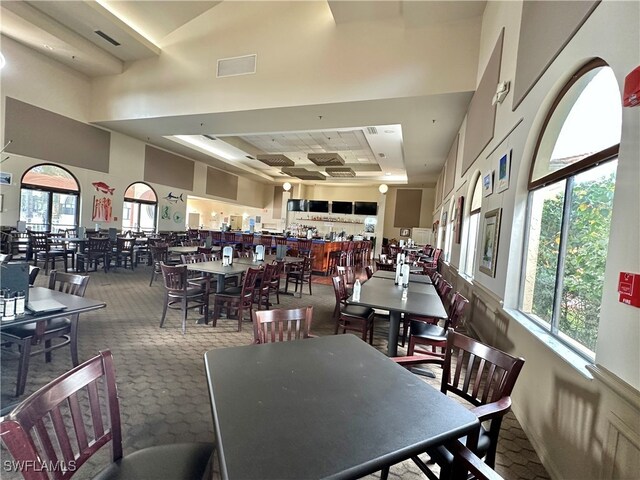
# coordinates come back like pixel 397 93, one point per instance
pixel 267 242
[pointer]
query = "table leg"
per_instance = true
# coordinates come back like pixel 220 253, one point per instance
pixel 394 326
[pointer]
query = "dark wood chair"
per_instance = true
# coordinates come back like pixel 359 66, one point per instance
pixel 247 242
pixel 389 267
pixel 299 273
pixel 281 325
pixel 33 274
pixel 304 247
pixel 197 279
pixel 263 289
pixel 160 254
pixel 98 251
pixel 351 317
pixel 42 249
pixel 348 274
pixel 424 331
pixel 466 462
pixel 237 300
pixel 432 266
pixel 483 376
pixel 178 292
pixel 45 332
pixel 275 280
pixel 76 415
pixel 369 271
pixel 124 252
pixel 267 242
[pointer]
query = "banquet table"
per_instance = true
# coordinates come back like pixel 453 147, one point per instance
pixel 327 407
pixel 385 295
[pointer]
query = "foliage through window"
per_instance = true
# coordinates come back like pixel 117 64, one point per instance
pixel 569 213
pixel 49 198
pixel 139 208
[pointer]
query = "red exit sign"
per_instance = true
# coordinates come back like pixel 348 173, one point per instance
pixel 629 288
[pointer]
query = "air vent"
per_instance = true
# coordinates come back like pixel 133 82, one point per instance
pixel 326 159
pixel 303 174
pixel 113 42
pixel 230 67
pixel 372 130
pixel 382 155
pixel 249 157
pixel 340 172
pixel 276 160
pixel 210 137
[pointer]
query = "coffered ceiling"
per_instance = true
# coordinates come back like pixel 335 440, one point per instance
pixel 400 140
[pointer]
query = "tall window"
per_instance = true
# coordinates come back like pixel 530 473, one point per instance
pixel 139 209
pixel 473 221
pixel 571 188
pixel 448 236
pixel 49 198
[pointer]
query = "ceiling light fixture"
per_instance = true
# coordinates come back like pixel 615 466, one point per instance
pixel 286 186
pixel 340 172
pixel 383 188
pixel 276 160
pixel 326 159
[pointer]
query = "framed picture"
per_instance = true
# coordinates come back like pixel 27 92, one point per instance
pixel 5 178
pixel 405 232
pixel 487 184
pixel 490 236
pixel 1 202
pixel 504 169
pixel 457 226
pixel 436 225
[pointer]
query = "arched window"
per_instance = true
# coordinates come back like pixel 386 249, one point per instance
pixel 469 256
pixel 139 208
pixel 49 197
pixel 571 188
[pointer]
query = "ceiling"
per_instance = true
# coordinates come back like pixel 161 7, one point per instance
pixel 395 141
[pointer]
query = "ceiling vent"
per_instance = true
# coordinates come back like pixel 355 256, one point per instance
pixel 382 155
pixel 326 159
pixel 112 41
pixel 210 137
pixel 303 174
pixel 230 67
pixel 276 160
pixel 343 172
pixel 372 130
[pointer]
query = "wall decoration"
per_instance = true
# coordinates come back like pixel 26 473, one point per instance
pixel 457 219
pixel 171 198
pixel 490 236
pixel 405 232
pixel 1 202
pixel 435 227
pixel 445 214
pixel 5 178
pixel 487 183
pixel 178 218
pixel 102 209
pixel 103 188
pixel 504 170
pixel 165 212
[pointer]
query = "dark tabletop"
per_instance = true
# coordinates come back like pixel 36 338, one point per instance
pixel 267 259
pixel 328 407
pixel 73 303
pixel 413 277
pixel 413 287
pixel 217 268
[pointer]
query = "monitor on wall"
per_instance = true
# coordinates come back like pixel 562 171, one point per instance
pixel 297 205
pixel 318 206
pixel 365 208
pixel 342 207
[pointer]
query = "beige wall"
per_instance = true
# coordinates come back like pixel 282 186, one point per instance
pixel 426 209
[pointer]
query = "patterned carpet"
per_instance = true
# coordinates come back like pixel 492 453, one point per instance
pixel 160 372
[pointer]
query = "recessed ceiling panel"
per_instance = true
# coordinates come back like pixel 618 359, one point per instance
pixel 276 160
pixel 325 159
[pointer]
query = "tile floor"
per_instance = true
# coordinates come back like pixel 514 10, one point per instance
pixel 160 372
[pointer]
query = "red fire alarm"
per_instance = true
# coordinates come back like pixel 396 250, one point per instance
pixel 631 96
pixel 629 288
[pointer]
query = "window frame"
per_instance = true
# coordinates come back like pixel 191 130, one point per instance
pixel 141 202
pixel 468 246
pixel 568 174
pixel 50 192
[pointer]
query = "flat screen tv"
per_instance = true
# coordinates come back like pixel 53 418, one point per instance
pixel 318 206
pixel 365 208
pixel 342 207
pixel 297 205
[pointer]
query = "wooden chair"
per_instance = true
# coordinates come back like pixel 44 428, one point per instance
pixel 263 290
pixel 275 280
pixel 98 251
pixel 124 252
pixel 351 317
pixel 247 241
pixel 369 271
pixel 483 376
pixel 432 266
pixel 389 267
pixel 299 273
pixel 304 247
pixel 76 415
pixel 197 279
pixel 43 250
pixel 159 254
pixel 238 299
pixel 424 332
pixel 33 274
pixel 178 292
pixel 267 242
pixel 282 325
pixel 43 333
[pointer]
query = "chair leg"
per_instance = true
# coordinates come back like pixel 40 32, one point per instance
pixel 185 303
pixel 47 351
pixel 240 315
pixel 164 310
pixel 23 366
pixel 73 341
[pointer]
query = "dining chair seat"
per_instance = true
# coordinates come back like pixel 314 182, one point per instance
pixel 357 311
pixel 232 291
pixel 428 331
pixel 29 329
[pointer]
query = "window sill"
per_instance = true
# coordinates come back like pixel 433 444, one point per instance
pixel 578 362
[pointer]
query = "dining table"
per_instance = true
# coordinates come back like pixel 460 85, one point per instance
pixel 413 277
pixel 221 271
pixel 383 294
pixel 326 407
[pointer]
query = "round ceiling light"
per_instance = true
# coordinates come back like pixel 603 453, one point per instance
pixel 383 188
pixel 286 186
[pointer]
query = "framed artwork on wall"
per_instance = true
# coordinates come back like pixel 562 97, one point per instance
pixel 504 170
pixel 487 183
pixel 405 232
pixel 457 218
pixel 490 236
pixel 5 178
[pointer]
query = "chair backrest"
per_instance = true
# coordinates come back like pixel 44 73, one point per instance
pixel 347 273
pixel 125 244
pixel 70 283
pixel 33 274
pixel 281 240
pixel 384 266
pixel 304 245
pixel 159 252
pixel 81 406
pixel 275 281
pixel 266 240
pixel 5 257
pixel 193 258
pixel 174 276
pixel 369 271
pixel 206 250
pixel 339 289
pixel 249 286
pixel 98 245
pixel 456 310
pixel 444 288
pixel 268 274
pixel 247 238
pixel 38 240
pixel 436 255
pixel 480 374
pixel 281 325
pixel 230 237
